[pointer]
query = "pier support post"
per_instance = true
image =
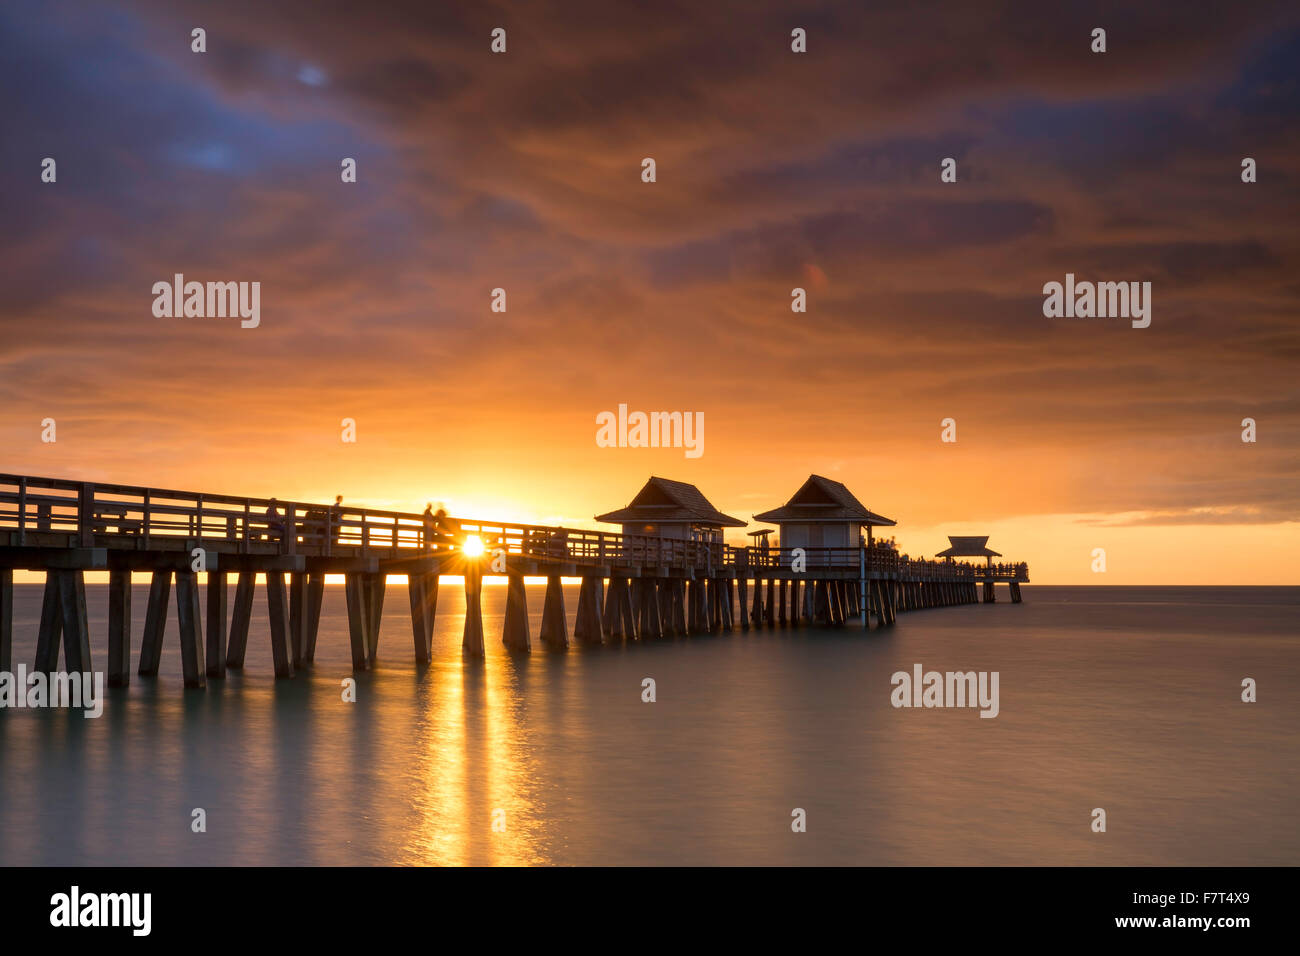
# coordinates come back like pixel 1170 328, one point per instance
pixel 821 608
pixel 794 601
pixel 51 630
pixel 76 630
pixel 770 608
pixel 298 618
pixel 678 591
pixel 359 619
pixel 782 586
pixel 241 617
pixel 376 584
pixel 155 623
pixel 423 592
pixel 277 606
pixel 756 612
pixel 191 628
pixel 555 624
pixel 700 597
pixel 315 597
pixel 652 628
pixel 119 628
pixel 728 603
pixel 216 625
pixel 471 644
pixel 743 586
pixel 6 620
pixel 693 604
pixel 587 628
pixel 515 632
pixel 631 625
pixel 664 591
pixel 988 592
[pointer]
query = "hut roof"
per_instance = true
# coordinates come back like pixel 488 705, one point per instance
pixel 968 546
pixel 823 500
pixel 664 501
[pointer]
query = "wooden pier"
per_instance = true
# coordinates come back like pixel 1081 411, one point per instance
pixel 634 587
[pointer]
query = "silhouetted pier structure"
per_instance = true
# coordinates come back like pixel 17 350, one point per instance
pixel 634 586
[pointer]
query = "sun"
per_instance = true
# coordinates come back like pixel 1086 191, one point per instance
pixel 473 546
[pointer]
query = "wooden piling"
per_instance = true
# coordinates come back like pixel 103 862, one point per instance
pixel 6 620
pixel 471 644
pixel 119 627
pixel 376 583
pixel 821 611
pixel 555 624
pixel 742 584
pixel 587 628
pixel 315 598
pixel 76 630
pixel 631 622
pixel 298 618
pixel 359 619
pixel 679 606
pixel 277 607
pixel 665 595
pixel 693 604
pixel 50 633
pixel 155 623
pixel 422 590
pixel 651 621
pixel 191 629
pixel 515 632
pixel 240 618
pixel 215 629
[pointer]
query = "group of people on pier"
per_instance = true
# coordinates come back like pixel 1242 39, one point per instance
pixel 441 531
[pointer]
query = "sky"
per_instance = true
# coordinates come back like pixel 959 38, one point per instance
pixel 774 170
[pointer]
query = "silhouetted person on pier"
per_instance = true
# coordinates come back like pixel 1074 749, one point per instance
pixel 274 523
pixel 446 528
pixel 336 518
pixel 430 527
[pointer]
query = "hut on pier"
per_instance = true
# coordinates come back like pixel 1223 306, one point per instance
pixel 824 514
pixel 675 510
pixel 969 546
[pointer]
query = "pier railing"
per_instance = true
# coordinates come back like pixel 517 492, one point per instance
pixel 38 507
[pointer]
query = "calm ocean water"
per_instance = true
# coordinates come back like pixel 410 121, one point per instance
pixel 1121 698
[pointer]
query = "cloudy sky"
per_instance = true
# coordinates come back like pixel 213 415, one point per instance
pixel 774 170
